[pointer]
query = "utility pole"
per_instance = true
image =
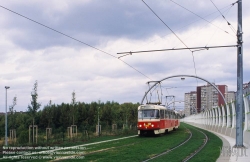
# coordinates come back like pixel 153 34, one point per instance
pixel 73 103
pixel 98 123
pixel 6 120
pixel 98 118
pixel 239 97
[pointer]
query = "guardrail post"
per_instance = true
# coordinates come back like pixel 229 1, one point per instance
pixel 216 117
pixel 229 122
pixel 220 117
pixel 247 114
pixel 233 131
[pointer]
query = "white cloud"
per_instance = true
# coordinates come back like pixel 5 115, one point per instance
pixel 61 65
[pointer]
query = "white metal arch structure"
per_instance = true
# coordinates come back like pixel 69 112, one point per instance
pixel 175 102
pixel 191 76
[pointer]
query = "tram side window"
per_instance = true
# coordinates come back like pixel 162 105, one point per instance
pixel 139 114
pixel 166 114
pixel 162 114
pixel 157 114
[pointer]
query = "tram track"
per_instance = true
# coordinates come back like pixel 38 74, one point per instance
pixel 126 145
pixel 186 146
pixel 141 148
pixel 199 149
pixel 187 143
pixel 166 152
pixel 181 144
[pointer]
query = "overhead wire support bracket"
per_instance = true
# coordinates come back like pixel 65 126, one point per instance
pixel 235 3
pixel 154 82
pixel 130 53
pixel 176 49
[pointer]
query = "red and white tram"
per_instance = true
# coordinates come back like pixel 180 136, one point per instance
pixel 156 119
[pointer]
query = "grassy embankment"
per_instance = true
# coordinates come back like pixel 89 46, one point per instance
pixel 142 148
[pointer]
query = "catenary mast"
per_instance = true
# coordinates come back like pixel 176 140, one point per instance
pixel 239 97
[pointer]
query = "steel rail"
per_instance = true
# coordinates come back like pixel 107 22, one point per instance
pixel 198 150
pixel 156 156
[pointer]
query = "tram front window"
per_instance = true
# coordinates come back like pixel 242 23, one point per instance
pixel 148 114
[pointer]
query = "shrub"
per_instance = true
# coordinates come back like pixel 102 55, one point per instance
pixel 23 137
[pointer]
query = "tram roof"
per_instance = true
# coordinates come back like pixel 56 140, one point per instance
pixel 153 106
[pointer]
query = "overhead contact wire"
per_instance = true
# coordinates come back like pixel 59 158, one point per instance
pixel 134 69
pixel 57 31
pixel 216 30
pixel 164 23
pixel 174 34
pixel 228 23
pixel 213 34
pixel 199 16
pixel 181 28
pixel 73 39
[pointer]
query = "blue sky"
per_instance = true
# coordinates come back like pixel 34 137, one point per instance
pixel 61 65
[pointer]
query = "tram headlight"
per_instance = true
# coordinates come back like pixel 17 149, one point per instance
pixel 152 125
pixel 140 125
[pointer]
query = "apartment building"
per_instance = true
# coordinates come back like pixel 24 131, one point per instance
pixel 208 97
pixel 190 103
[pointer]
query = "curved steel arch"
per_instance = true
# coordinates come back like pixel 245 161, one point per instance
pixel 174 102
pixel 192 76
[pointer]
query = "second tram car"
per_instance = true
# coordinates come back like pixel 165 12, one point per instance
pixel 156 119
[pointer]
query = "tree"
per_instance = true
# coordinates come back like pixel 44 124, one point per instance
pixel 49 113
pixel 33 108
pixel 73 106
pixel 12 115
pixel 45 119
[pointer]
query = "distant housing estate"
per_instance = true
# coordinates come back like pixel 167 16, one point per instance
pixel 207 97
pixel 3 113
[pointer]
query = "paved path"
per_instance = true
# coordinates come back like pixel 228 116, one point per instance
pixel 231 154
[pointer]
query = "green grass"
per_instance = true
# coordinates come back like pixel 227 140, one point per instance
pixel 211 151
pixel 187 149
pixel 138 148
pixel 68 144
pixel 142 148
